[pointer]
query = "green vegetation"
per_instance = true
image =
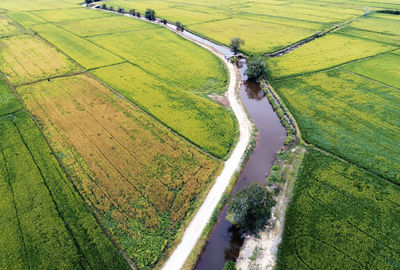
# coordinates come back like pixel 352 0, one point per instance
pixel 323 53
pixel 250 208
pixel 44 222
pixel 26 19
pixel 8 103
pixel 8 26
pixel 350 116
pixel 168 57
pixel 82 51
pixel 384 68
pixel 342 217
pixel 27 58
pixel 203 122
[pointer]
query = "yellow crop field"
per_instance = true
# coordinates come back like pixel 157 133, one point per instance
pixel 288 22
pixel 27 58
pixel 82 51
pixel 29 5
pixel 107 25
pixel 322 53
pixel 137 176
pixel 262 37
pixel 71 14
pixel 188 17
pixel 201 121
pixel 26 19
pixel 168 57
pixel 8 27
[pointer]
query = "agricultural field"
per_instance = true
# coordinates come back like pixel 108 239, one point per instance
pixel 44 222
pixel 179 13
pixel 323 53
pixel 141 201
pixel 340 217
pixel 27 58
pixel 82 51
pixel 262 37
pixel 26 19
pixel 105 25
pixel 168 57
pixel 203 122
pixel 29 5
pixel 379 25
pixel 349 116
pixel 8 26
pixel 374 36
pixel 8 102
pixel 384 68
pixel 71 14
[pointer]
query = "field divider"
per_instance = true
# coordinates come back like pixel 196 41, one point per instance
pixel 14 203
pixel 69 230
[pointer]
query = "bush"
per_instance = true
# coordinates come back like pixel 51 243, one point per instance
pixel 230 265
pixel 255 67
pixel 179 26
pixel 150 14
pixel 250 208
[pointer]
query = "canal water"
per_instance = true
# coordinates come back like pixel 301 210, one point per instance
pixel 225 241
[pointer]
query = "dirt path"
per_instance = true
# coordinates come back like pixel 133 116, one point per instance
pixel 231 165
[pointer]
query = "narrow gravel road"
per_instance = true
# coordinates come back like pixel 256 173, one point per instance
pixel 199 222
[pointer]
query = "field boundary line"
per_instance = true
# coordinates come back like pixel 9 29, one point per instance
pixel 332 67
pixel 368 78
pixel 14 204
pixel 69 230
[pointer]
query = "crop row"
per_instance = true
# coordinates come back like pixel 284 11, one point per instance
pixel 340 215
pixel 349 116
pixel 137 176
pixel 44 224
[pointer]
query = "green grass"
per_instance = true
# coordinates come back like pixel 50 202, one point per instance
pixel 82 51
pixel 203 122
pixel 323 53
pixel 384 68
pixel 8 103
pixel 44 224
pixel 345 114
pixel 170 58
pixel 340 217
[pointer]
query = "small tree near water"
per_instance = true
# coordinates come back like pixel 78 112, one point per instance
pixel 235 44
pixel 255 67
pixel 250 208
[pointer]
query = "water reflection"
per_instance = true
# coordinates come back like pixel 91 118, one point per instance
pixel 236 240
pixel 253 91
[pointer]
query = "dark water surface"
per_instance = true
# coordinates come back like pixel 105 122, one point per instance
pixel 225 240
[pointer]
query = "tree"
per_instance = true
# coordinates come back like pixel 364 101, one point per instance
pixel 88 1
pixel 235 44
pixel 150 14
pixel 230 265
pixel 250 208
pixel 164 21
pixel 121 10
pixel 138 14
pixel 132 12
pixel 180 26
pixel 104 6
pixel 111 8
pixel 255 67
